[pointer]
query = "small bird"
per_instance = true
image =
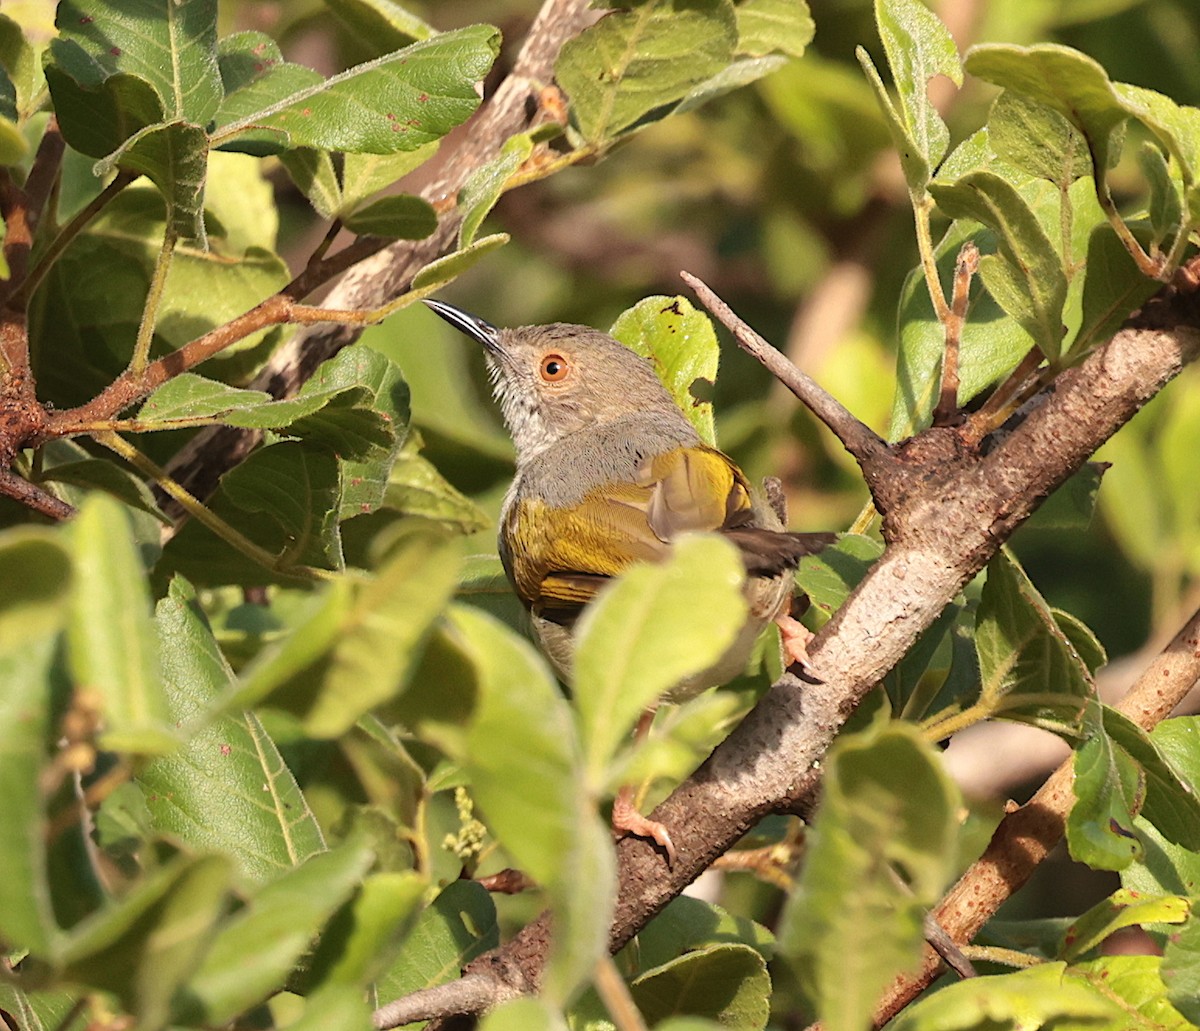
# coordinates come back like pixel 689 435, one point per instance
pixel 609 472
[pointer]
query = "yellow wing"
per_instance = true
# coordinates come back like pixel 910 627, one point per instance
pixel 558 558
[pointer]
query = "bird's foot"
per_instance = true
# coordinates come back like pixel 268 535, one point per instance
pixel 795 637
pixel 627 820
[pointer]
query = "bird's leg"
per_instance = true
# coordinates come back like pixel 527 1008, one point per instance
pixel 795 637
pixel 625 816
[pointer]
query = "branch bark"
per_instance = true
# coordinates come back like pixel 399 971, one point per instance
pixel 947 509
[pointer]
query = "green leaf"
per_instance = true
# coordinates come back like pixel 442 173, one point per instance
pixel 457 926
pixel 400 101
pixel 285 499
pixel 1109 790
pixel 1042 997
pixel 654 629
pixel 361 941
pixel 485 185
pixel 144 946
pixel 255 76
pixel 728 983
pixel 253 951
pixel 383 633
pixel 918 47
pixel 1137 983
pixel 1037 140
pixel 113 650
pixel 1176 126
pixel 768 26
pixel 314 175
pixel 333 1006
pixel 451 266
pixel 689 923
pixel 1166 207
pixel 366 447
pixel 399 217
pixel 880 852
pixel 1069 82
pixel 101 474
pixel 1027 279
pixel 227 789
pixel 1123 908
pixel 43 1011
pixel 990 347
pixel 366 174
pixel 170 45
pixel 1171 804
pixel 26 911
pixel 829 576
pixel 96 117
pixel 522 753
pixel 23 64
pixel 174 157
pixel 379 24
pixel 1031 670
pixel 633 61
pixel 192 400
pixel 415 487
pixel 681 343
pixel 1181 968
pixel 1114 287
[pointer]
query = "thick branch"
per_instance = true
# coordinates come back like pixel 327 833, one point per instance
pixel 949 510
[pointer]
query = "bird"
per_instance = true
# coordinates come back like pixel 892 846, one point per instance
pixel 608 472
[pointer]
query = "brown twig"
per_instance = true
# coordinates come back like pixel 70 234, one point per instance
pixel 860 440
pixel 33 496
pixel 946 411
pixel 1026 836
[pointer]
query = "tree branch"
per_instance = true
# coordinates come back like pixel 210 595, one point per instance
pixel 947 510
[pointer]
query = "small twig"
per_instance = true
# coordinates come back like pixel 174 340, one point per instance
pixel 946 412
pixel 1002 402
pixel 858 438
pixel 33 496
pixel 946 947
pixel 1004 957
pixel 158 283
pixel 206 516
pixel 473 993
pixel 322 248
pixel 52 252
pixel 43 174
pixel 507 882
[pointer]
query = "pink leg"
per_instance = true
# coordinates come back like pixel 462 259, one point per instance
pixel 625 817
pixel 795 636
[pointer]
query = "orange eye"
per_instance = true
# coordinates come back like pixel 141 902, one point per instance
pixel 555 368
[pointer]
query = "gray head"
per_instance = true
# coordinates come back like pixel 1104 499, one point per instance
pixel 554 380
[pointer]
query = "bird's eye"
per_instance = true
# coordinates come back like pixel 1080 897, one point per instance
pixel 555 368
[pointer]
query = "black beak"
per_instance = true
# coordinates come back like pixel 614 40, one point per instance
pixel 472 325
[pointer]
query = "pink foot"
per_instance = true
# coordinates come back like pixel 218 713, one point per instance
pixel 795 637
pixel 627 820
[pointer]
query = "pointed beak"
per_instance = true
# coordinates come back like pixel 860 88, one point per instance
pixel 472 325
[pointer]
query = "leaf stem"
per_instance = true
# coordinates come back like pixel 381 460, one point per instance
pixel 1004 957
pixel 921 212
pixel 158 282
pixel 204 515
pixel 946 411
pixel 614 993
pixel 1146 265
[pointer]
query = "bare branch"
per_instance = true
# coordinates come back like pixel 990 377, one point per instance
pixel 860 440
pixel 472 994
